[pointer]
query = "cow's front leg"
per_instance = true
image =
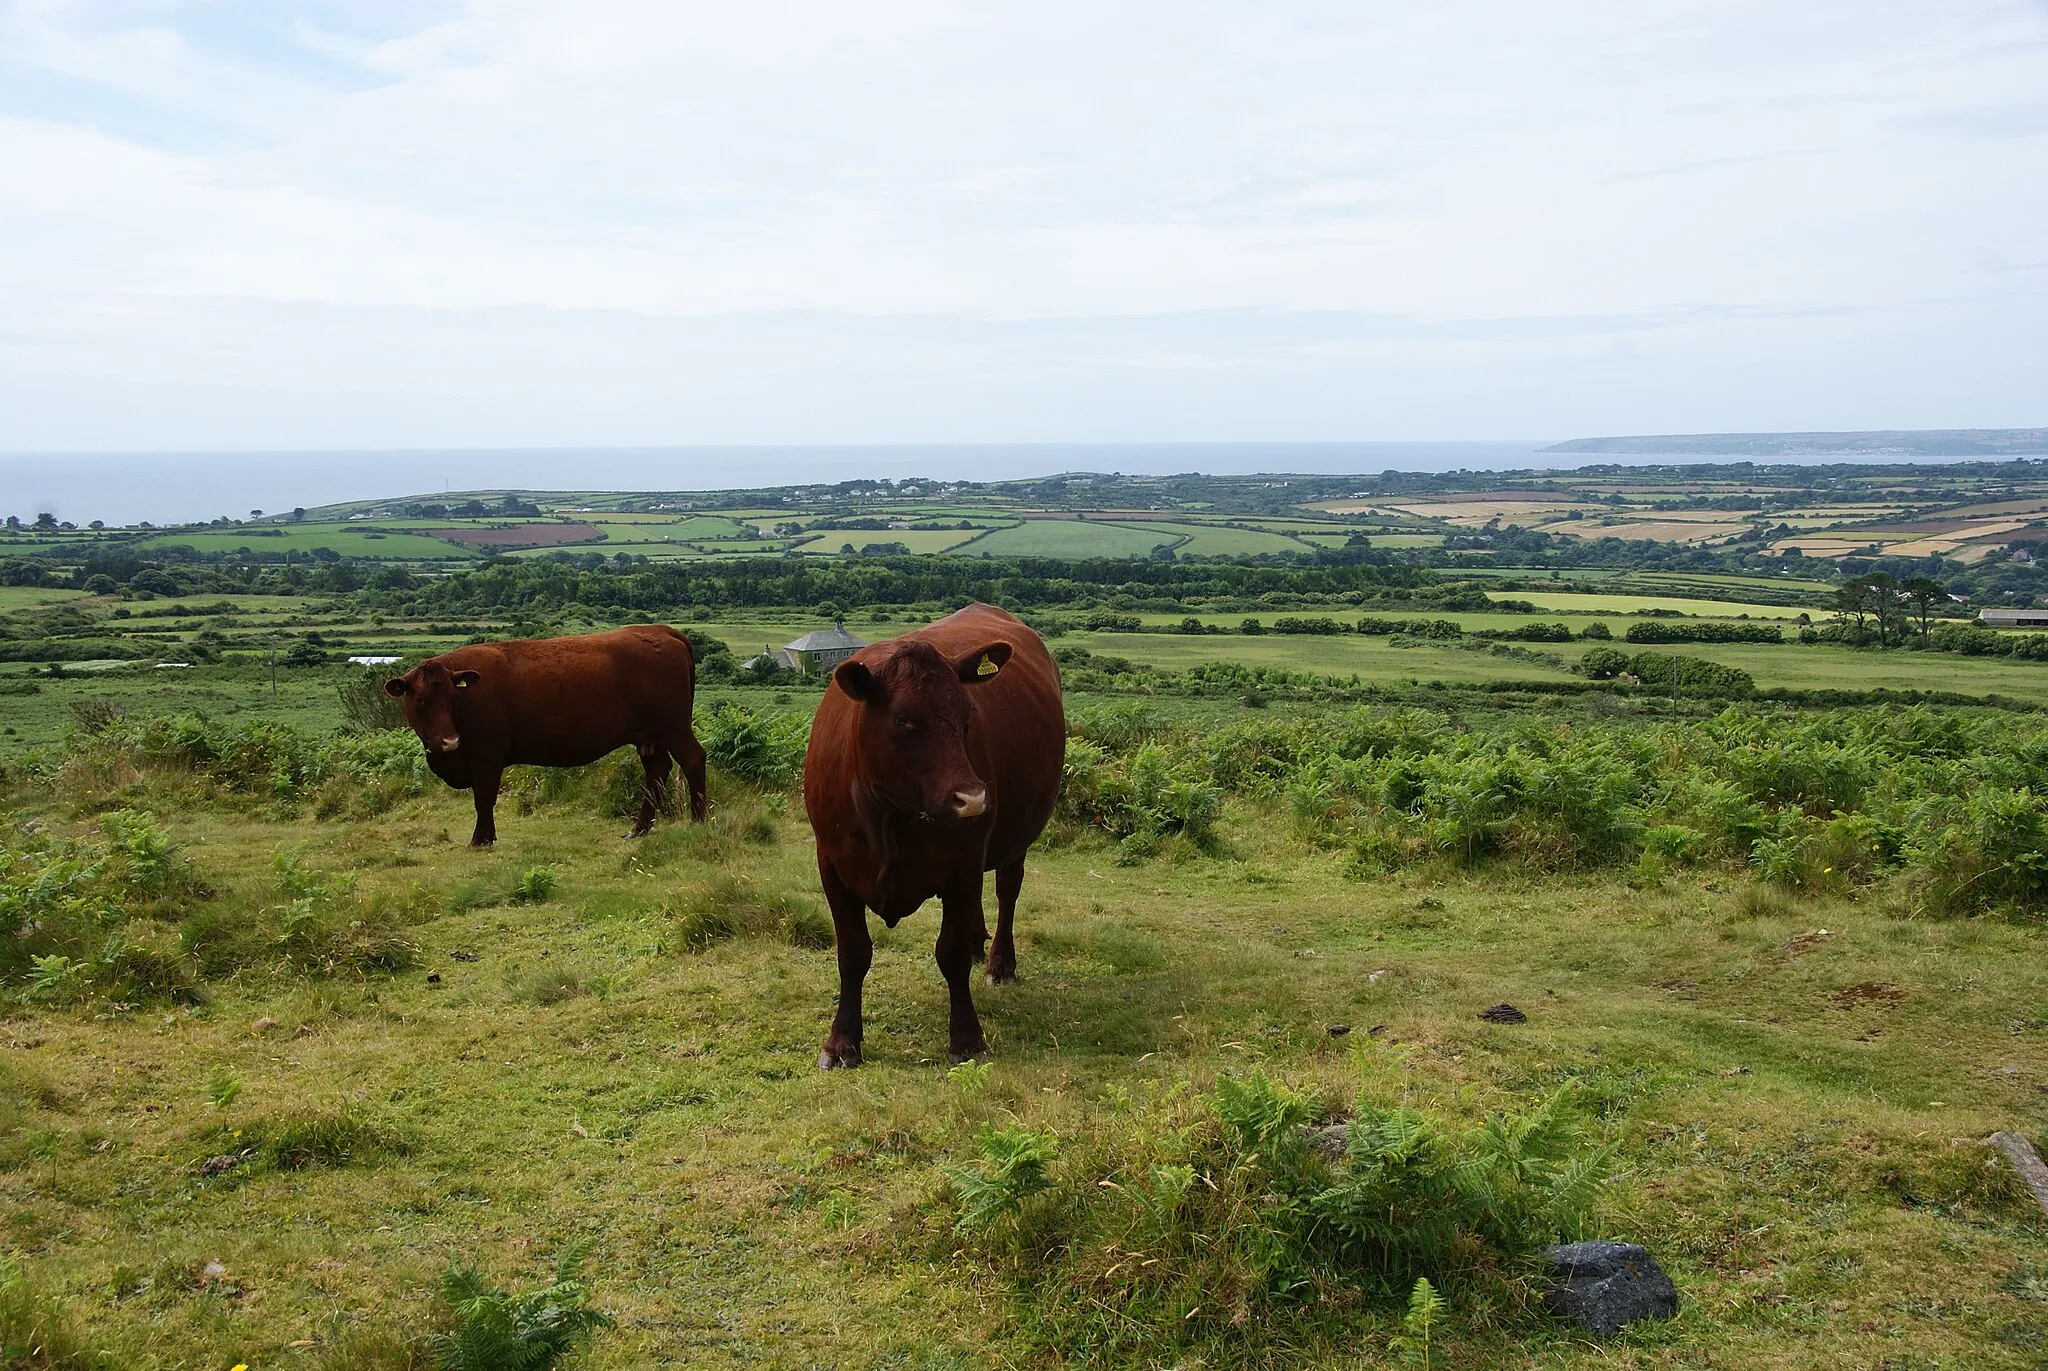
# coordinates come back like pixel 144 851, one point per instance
pixel 856 953
pixel 1002 953
pixel 485 790
pixel 961 932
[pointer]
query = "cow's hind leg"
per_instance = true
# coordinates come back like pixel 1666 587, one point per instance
pixel 484 789
pixel 960 933
pixel 856 953
pixel 689 755
pixel 654 761
pixel 1002 953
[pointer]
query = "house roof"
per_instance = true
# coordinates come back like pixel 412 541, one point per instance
pixel 826 640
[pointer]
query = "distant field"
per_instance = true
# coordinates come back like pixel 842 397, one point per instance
pixel 28 597
pixel 665 529
pixel 1071 538
pixel 1572 602
pixel 918 540
pixel 1793 665
pixel 1214 540
pixel 350 540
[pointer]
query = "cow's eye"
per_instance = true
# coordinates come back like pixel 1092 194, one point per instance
pixel 908 725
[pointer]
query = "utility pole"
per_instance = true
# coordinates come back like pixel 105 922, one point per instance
pixel 273 673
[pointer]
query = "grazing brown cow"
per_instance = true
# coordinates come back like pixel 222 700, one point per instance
pixel 934 757
pixel 557 702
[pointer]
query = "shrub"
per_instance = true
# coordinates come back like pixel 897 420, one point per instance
pixel 530 1331
pixel 76 918
pixel 1009 1171
pixel 1213 1214
pixel 536 885
pixel 1669 632
pixel 364 702
pixel 767 749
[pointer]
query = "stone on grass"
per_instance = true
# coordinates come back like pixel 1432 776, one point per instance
pixel 1604 1287
pixel 1331 1141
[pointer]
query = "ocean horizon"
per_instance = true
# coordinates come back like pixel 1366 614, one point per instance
pixel 181 487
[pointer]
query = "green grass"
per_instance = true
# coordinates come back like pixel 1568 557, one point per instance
pixel 918 540
pixel 1070 538
pixel 699 527
pixel 1573 602
pixel 1798 1152
pixel 1372 659
pixel 349 540
pixel 28 597
pixel 1210 540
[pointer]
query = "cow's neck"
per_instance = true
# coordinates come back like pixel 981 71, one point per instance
pixel 904 868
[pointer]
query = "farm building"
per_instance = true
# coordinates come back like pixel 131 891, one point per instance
pixel 2013 618
pixel 819 650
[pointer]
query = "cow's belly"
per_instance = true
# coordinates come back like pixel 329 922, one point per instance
pixel 566 749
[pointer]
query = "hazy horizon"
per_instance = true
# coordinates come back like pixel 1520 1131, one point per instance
pixel 124 488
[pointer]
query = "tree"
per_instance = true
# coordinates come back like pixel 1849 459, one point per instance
pixel 1924 594
pixel 46 522
pixel 255 514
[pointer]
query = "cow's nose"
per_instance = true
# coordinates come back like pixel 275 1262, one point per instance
pixel 451 742
pixel 970 804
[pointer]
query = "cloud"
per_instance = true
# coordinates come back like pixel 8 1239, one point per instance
pixel 783 195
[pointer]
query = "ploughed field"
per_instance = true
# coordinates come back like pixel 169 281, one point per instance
pixel 279 1044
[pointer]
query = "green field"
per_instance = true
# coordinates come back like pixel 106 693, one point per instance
pixel 1071 538
pixel 28 597
pixel 345 539
pixel 918 540
pixel 1573 602
pixel 644 531
pixel 1210 540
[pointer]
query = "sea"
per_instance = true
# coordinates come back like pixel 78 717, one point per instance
pixel 183 487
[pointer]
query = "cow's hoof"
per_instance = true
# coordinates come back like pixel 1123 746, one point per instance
pixel 980 1055
pixel 483 842
pixel 996 974
pixel 845 1060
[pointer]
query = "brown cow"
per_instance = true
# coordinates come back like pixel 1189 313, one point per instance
pixel 934 757
pixel 557 702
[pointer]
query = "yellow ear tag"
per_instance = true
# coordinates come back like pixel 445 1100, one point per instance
pixel 987 668
pixel 462 685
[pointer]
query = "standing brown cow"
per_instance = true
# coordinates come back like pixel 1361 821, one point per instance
pixel 934 757
pixel 557 702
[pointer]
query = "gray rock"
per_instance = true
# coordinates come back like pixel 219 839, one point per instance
pixel 1330 1141
pixel 1604 1287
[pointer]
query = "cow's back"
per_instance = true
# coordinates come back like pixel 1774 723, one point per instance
pixel 567 701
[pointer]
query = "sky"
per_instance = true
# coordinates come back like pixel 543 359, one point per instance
pixel 277 225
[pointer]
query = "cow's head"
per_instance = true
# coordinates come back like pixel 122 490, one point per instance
pixel 428 693
pixel 913 726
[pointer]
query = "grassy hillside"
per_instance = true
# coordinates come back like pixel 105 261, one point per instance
pixel 393 1048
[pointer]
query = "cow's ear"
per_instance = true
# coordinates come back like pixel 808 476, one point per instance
pixel 856 680
pixel 396 687
pixel 465 679
pixel 983 663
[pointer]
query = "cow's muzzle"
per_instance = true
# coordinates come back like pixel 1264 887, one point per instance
pixel 970 804
pixel 447 744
